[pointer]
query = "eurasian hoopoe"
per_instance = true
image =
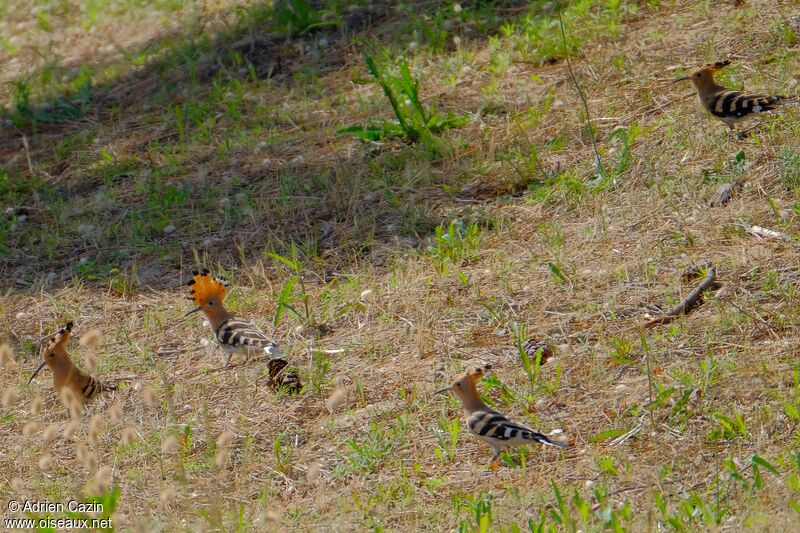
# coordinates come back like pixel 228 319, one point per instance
pixel 727 105
pixel 65 373
pixel 232 333
pixel 279 379
pixel 488 424
pixel 531 346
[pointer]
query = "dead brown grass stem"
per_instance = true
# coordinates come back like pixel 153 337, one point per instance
pixel 597 161
pixel 692 300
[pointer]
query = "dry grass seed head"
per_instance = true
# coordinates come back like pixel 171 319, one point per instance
pixel 95 428
pixel 90 360
pixel 270 517
pixel 336 399
pixel 149 396
pixel 72 403
pixel 119 519
pixel 51 432
pixel 222 458
pixel 104 478
pixel 167 495
pixel 36 405
pixel 93 489
pixel 366 294
pixel 127 436
pixel 30 429
pixel 169 444
pixel 225 439
pixel 9 397
pixel 45 462
pixel 72 429
pixel 312 474
pixel 90 462
pixel 90 339
pixel 82 451
pixel 6 355
pixel 116 412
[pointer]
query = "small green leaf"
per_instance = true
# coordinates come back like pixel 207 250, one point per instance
pixel 610 434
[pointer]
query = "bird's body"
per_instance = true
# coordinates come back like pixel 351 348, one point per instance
pixel 65 374
pixel 233 334
pixel 729 106
pixel 489 425
pixel 280 378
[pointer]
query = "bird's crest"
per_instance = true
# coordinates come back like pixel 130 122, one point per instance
pixel 477 373
pixel 60 337
pixel 711 68
pixel 203 286
pixel 717 65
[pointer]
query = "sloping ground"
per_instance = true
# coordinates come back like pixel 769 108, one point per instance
pixel 193 159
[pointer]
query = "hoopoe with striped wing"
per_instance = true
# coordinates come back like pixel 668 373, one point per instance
pixel 727 105
pixel 233 334
pixel 278 379
pixel 486 423
pixel 65 374
pixel 531 347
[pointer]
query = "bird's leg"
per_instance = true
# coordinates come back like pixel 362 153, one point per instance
pixel 494 464
pixel 228 359
pixel 744 133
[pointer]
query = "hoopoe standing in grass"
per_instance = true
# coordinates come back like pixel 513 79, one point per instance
pixel 232 333
pixel 727 105
pixel 65 373
pixel 486 423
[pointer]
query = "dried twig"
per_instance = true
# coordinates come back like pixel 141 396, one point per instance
pixel 597 161
pixel 694 299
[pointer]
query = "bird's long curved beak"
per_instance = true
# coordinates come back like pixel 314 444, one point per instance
pixel 443 390
pixel 685 78
pixel 41 365
pixel 196 309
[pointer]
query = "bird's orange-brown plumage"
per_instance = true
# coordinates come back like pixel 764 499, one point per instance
pixel 65 374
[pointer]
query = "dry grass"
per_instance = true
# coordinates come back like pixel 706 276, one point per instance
pixel 393 313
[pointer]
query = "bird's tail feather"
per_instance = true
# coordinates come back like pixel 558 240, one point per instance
pixel 543 439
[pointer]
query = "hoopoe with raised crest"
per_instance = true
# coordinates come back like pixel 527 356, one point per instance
pixel 728 105
pixel 486 423
pixel 65 373
pixel 233 334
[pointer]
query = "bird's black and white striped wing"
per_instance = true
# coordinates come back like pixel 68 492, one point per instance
pixel 501 432
pixel 735 105
pixel 240 334
pixel 91 387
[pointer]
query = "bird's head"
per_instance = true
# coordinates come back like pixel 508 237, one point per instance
pixel 465 385
pixel 705 74
pixel 207 293
pixel 55 350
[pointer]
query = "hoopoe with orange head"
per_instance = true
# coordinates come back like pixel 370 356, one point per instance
pixel 233 334
pixel 731 107
pixel 65 374
pixel 486 423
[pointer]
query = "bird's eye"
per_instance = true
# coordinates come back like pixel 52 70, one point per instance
pixel 51 354
pixel 211 302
